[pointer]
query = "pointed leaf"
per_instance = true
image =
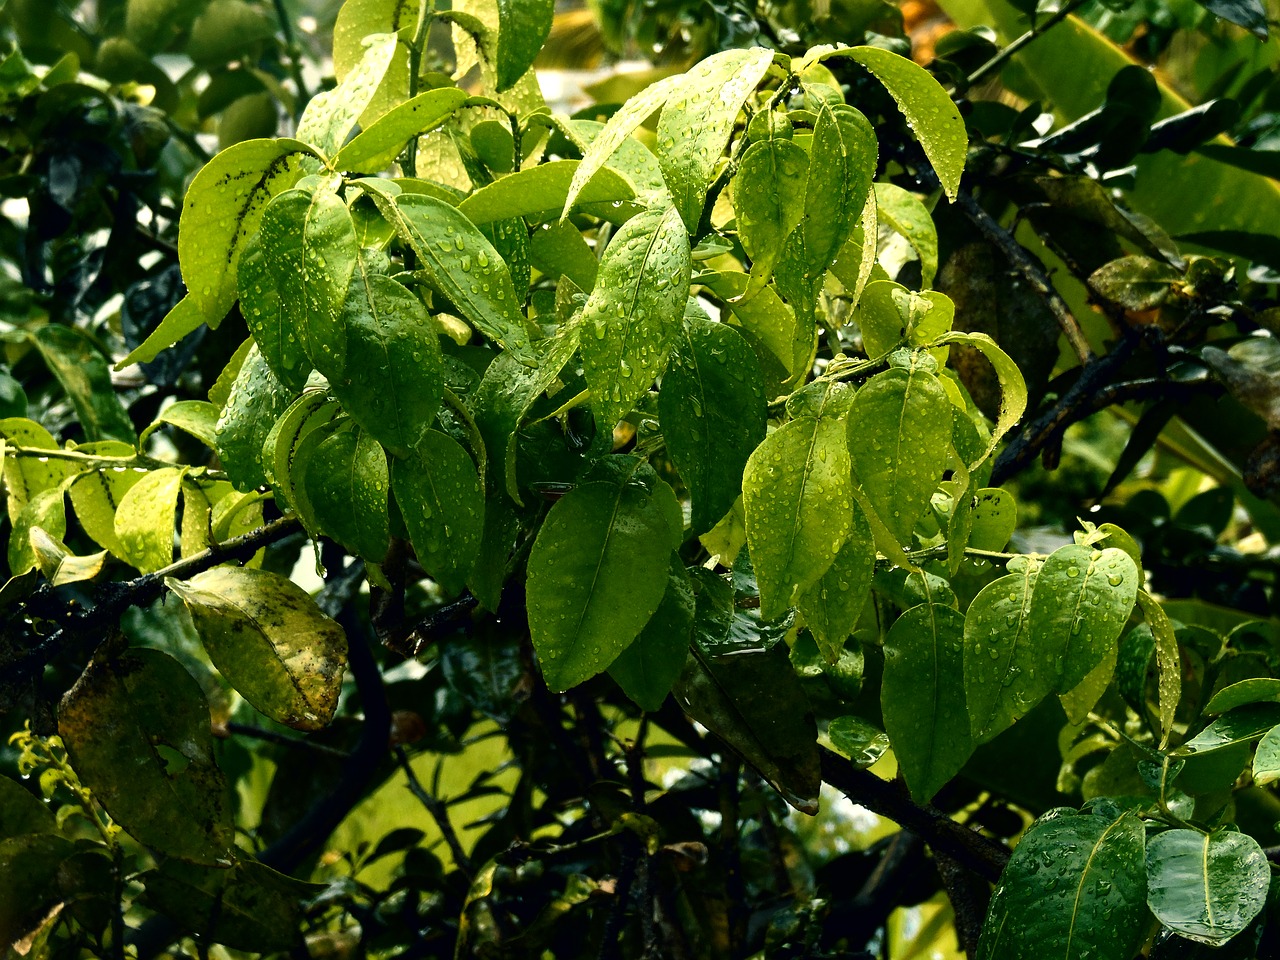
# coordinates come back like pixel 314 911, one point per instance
pixel 899 429
pixel 537 193
pixel 597 572
pixel 696 123
pixel 1206 887
pixel 378 146
pixel 923 706
pixel 796 494
pixel 264 314
pixel 270 641
pixel 1266 761
pixel 647 670
pixel 137 731
pixel 1074 889
pixel 768 200
pixel 463 265
pixel 279 451
pixel 842 165
pixel 257 400
pixel 347 483
pixel 635 311
pixel 1253 690
pixel 440 498
pixel 832 606
pixel 903 212
pixel 185 317
pixel 393 381
pixel 309 243
pixel 95 495
pixel 1240 726
pixel 1168 662
pixel 1005 672
pixel 145 519
pixel 223 208
pixel 83 373
pixel 1082 599
pixel 1013 389
pixel 330 116
pixel 712 411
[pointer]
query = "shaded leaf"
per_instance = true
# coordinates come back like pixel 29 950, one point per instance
pixel 832 605
pixel 83 373
pixel 347 484
pixel 257 400
pixel 1207 887
pixel 650 666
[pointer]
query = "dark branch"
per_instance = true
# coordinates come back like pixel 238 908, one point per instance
pixel 439 813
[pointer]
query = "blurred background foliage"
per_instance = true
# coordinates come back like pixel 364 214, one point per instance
pixel 1135 150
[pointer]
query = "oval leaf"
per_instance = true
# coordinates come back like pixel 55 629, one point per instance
pixel 1208 887
pixel 650 666
pixel 346 484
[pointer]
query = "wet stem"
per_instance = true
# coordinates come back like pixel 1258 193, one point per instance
pixel 426 9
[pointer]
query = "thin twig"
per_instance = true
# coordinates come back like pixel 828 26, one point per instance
pixel 439 813
pixel 295 62
pixel 1032 271
pixel 1037 30
pixel 284 739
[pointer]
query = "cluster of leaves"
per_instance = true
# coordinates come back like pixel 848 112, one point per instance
pixel 685 440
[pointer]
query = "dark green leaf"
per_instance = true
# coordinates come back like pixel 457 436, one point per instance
pixel 523 26
pixel 347 484
pixel 1006 673
pixel 1242 725
pixel 1253 690
pixel 137 730
pixel 832 605
pixel 257 400
pixel 264 314
pixel 842 165
pixel 29 868
pixel 22 812
pixel 650 666
pixel 768 200
pixel 1207 887
pixel 82 371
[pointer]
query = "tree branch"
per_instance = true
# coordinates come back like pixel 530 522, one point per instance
pixel 439 813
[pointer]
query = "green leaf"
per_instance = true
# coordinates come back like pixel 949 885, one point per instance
pixel 245 907
pixel 45 513
pixel 635 311
pixel 1013 389
pixel 25 476
pixel 995 517
pixel 393 381
pixel 137 730
pixel 29 882
pixel 443 506
pixel 280 449
pixel 83 373
pixel 223 208
pixel 463 265
pixel 257 399
pixel 1135 282
pixel 832 606
pixel 923 707
pixel 507 391
pixel 265 315
pixel 650 666
pixel 347 483
pixel 842 165
pixel 930 113
pixel 184 318
pixel 616 132
pixel 523 27
pixel 768 200
pixel 145 519
pixel 95 495
pixel 796 494
pixel 1074 889
pixel 1006 673
pixel 1168 662
pixel 309 244
pixel 712 411
pixel 905 214
pixel 330 116
pixel 376 147
pixel 537 193
pixel 22 812
pixel 198 418
pixel 696 123
pixel 899 430
pixel 1206 887
pixel 1253 690
pixel 1082 599
pixel 1240 726
pixel 597 572
pixel 1266 761
pixel 745 691
pixel 857 741
pixel 270 641
pixel 358 19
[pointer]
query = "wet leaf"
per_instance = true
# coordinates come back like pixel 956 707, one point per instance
pixel 145 519
pixel 650 666
pixel 270 641
pixel 1006 673
pixel 523 26
pixel 857 741
pixel 83 373
pixel 768 200
pixel 1242 725
pixel 347 484
pixel 331 114
pixel 537 193
pixel 257 400
pixel 902 211
pixel 1206 887
pixel 137 730
pixel 376 147
pixel 1253 690
pixel 832 606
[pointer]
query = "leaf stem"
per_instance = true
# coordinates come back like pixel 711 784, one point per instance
pixel 295 62
pixel 1037 30
pixel 425 10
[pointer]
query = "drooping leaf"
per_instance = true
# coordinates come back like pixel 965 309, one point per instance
pixel 137 730
pixel 1206 887
pixel 83 373
pixel 376 147
pixel 523 26
pixel 223 208
pixel 270 641
pixel 832 605
pixel 347 483
pixel 902 211
pixel 741 686
pixel 264 314
pixel 768 200
pixel 650 666
pixel 27 475
pixel 796 494
pixel 1168 662
pixel 1013 389
pixel 463 265
pixel 330 115
pixel 247 906
pixel 309 244
pixel 857 741
pixel 443 505
pixel 280 449
pixel 145 519
pixel 842 165
pixel 95 495
pixel 197 418
pixel 923 706
pixel 1074 889
pixel 1250 14
pixel 899 429
pixel 257 399
pixel 393 380
pixel 1006 673
pixel 635 311
pixel 696 123
pixel 597 572
pixel 184 318
pixel 712 411
pixel 1081 601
